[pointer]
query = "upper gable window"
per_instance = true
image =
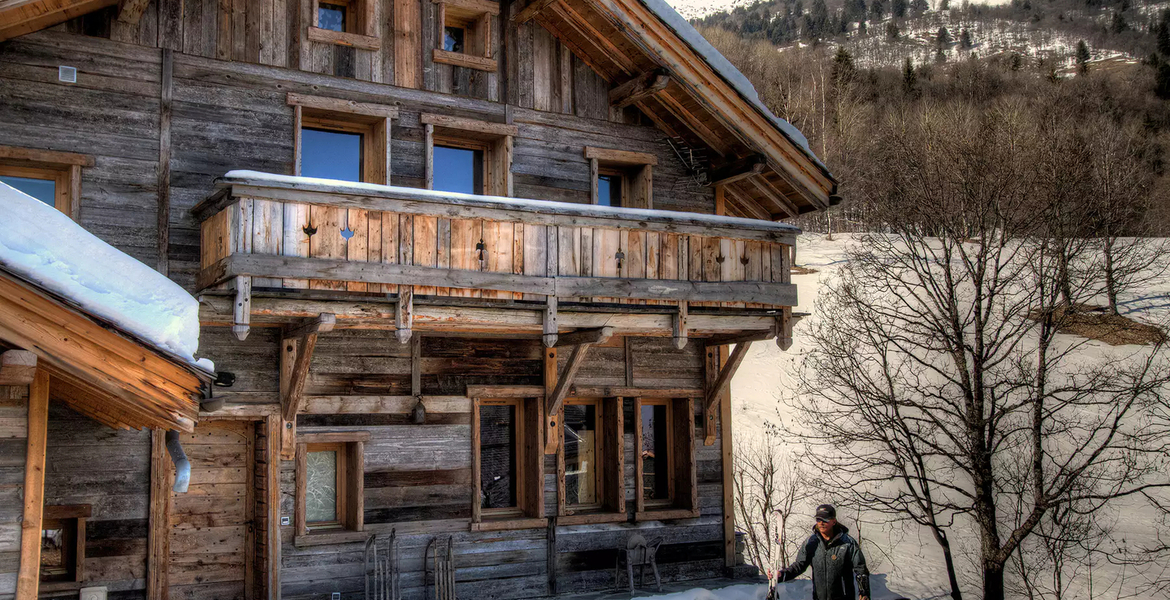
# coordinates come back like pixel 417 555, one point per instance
pixel 346 23
pixel 340 139
pixel 621 177
pixel 49 176
pixel 467 39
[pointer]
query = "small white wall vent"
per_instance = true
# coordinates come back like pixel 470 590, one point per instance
pixel 93 593
pixel 67 75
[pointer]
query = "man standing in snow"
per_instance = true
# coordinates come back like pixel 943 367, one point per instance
pixel 832 554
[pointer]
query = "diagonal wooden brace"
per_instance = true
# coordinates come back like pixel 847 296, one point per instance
pixel 581 341
pixel 717 387
pixel 296 353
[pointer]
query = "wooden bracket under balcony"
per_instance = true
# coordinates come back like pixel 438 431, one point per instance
pixel 296 354
pixel 580 341
pixel 719 385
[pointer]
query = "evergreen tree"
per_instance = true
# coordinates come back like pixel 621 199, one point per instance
pixel 1162 79
pixel 1163 37
pixel 909 78
pixel 917 7
pixel 892 31
pixel 899 7
pixel 862 29
pixel 1083 58
pixel 940 56
pixel 1017 61
pixel 877 9
pixel 944 5
pixel 843 69
pixel 943 39
pixel 965 39
pixel 1119 25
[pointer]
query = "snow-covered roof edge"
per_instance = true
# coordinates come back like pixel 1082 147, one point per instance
pixel 245 176
pixel 47 249
pixel 728 72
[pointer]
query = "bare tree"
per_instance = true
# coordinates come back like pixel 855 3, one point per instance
pixel 937 372
pixel 768 486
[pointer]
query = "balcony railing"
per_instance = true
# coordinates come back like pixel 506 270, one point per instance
pixel 295 233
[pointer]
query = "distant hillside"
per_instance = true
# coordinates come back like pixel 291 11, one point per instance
pixel 886 32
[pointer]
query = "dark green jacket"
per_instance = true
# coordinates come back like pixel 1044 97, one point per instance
pixel 831 563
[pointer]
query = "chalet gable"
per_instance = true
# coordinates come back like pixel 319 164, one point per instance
pixel 649 57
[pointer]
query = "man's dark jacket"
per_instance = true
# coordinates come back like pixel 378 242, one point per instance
pixel 831 561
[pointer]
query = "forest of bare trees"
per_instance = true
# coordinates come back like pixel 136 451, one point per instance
pixel 994 206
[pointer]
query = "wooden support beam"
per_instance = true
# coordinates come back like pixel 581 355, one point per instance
pixel 416 366
pixel 599 335
pixel 17 367
pixel 679 334
pixel 404 314
pixel 533 8
pixel 296 354
pixel 242 312
pixel 749 166
pixel 784 325
pixel 131 10
pixel 715 391
pixel 738 338
pixel 639 88
pixel 550 385
pixel 556 399
pixel 273 428
pixel 162 474
pixel 29 576
pixel 725 445
pixel 550 322
pixel 771 193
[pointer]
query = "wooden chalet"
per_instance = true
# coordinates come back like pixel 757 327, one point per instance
pixel 475 276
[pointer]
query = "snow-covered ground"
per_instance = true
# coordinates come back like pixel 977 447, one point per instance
pixel 800 589
pixel 43 245
pixel 908 559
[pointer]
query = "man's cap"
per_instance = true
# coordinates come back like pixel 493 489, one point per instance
pixel 826 512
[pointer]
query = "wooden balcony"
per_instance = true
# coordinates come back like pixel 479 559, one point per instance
pixel 416 256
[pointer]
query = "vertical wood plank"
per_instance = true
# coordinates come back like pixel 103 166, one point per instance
pixel 272 487
pixel 164 161
pixel 267 234
pixel 327 242
pixel 475 463
pixel 407 44
pixel 443 250
pixel 159 540
pixel 726 446
pixel 389 246
pixel 425 250
pixel 358 246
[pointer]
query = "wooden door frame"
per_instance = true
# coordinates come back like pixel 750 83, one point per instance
pixel 162 474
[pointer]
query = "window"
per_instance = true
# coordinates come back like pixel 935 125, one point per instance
pixel 459 166
pixel 610 188
pixel 49 176
pixel 621 177
pixel 590 461
pixel 330 470
pixel 665 465
pixel 468 156
pixel 340 139
pixel 507 464
pixel 63 543
pixel 467 34
pixel 346 23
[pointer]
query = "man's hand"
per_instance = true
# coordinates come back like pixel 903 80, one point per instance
pixel 863 598
pixel 772 593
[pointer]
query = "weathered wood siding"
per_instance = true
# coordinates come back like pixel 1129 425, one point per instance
pixel 13 446
pixel 89 463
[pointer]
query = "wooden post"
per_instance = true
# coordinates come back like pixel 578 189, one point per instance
pixel 550 322
pixel 404 314
pixel 725 442
pixel 550 384
pixel 721 382
pixel 679 333
pixel 242 308
pixel 429 157
pixel 159 552
pixel 273 425
pixel 29 577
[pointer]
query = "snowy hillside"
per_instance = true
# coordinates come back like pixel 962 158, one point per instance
pixel 695 9
pixel 908 556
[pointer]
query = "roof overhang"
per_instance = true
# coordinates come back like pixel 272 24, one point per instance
pixel 624 40
pixel 97 369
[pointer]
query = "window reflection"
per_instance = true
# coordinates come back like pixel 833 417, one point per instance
pixel 458 170
pixel 321 487
pixel 331 154
pixel 609 190
pixel 581 437
pixel 655 453
pixel 497 430
pixel 44 190
pixel 331 16
pixel 453 39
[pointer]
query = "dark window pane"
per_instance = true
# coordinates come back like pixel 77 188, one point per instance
pixel 44 190
pixel 331 154
pixel 453 39
pixel 497 456
pixel 581 454
pixel 331 16
pixel 458 170
pixel 609 190
pixel 655 454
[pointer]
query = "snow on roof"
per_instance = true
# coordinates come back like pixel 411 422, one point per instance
pixel 727 71
pixel 42 245
pixel 594 210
